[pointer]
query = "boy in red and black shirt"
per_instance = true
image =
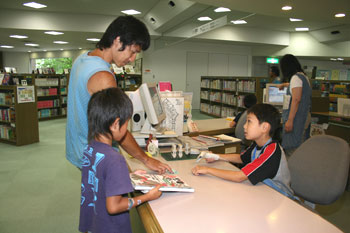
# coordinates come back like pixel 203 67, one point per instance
pixel 264 160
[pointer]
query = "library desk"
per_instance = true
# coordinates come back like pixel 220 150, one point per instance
pixel 212 127
pixel 222 206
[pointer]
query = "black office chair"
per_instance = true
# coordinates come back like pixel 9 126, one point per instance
pixel 319 169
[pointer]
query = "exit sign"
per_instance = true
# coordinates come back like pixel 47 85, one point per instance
pixel 272 60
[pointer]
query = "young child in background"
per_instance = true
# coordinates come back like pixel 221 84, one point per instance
pixel 248 101
pixel 105 177
pixel 264 160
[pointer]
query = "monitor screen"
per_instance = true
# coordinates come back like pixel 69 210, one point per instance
pixel 156 100
pixel 274 95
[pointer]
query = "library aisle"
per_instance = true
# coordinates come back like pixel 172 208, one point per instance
pixel 40 189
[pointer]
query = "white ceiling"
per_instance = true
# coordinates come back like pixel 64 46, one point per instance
pixel 81 19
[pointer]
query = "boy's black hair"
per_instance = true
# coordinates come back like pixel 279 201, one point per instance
pixel 267 113
pixel 275 70
pixel 249 100
pixel 289 67
pixel 104 108
pixel 130 30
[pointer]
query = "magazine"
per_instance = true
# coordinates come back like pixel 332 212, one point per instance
pixel 169 182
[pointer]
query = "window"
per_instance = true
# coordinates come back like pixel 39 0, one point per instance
pixel 58 64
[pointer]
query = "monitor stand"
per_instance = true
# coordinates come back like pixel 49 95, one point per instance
pixel 147 128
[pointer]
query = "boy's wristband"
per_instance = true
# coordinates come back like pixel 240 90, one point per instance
pixel 131 203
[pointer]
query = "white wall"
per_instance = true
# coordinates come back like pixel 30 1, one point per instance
pixel 18 60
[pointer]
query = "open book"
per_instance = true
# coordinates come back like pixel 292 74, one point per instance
pixel 169 182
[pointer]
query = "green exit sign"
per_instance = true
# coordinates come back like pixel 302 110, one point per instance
pixel 272 60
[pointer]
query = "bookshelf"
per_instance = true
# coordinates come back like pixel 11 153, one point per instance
pixel 129 82
pixel 223 96
pixel 18 121
pixel 17 79
pixel 333 89
pixel 52 92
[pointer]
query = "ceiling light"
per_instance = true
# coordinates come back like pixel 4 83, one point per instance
pixel 80 48
pixel 301 29
pixel 340 59
pixel 295 20
pixel 7 46
pixel 18 36
pixel 34 5
pixel 54 33
pixel 204 18
pixel 29 51
pixel 60 42
pixel 222 9
pixel 333 59
pixel 93 39
pixel 339 15
pixel 131 12
pixel 240 21
pixel 31 44
pixel 287 8
pixel 45 50
pixel 61 49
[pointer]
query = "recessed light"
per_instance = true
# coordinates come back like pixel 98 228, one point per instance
pixel 204 18
pixel 54 33
pixel 240 21
pixel 31 44
pixel 60 42
pixel 34 5
pixel 61 49
pixel 18 36
pixel 339 15
pixel 340 59
pixel 222 9
pixel 295 20
pixel 80 48
pixel 29 51
pixel 333 59
pixel 287 8
pixel 301 29
pixel 7 46
pixel 93 39
pixel 131 12
pixel 45 50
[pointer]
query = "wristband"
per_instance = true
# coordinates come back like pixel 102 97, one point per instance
pixel 131 203
pixel 138 202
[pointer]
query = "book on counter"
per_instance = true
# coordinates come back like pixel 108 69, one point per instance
pixel 169 182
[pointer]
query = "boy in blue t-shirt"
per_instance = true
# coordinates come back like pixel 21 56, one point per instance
pixel 105 176
pixel 264 160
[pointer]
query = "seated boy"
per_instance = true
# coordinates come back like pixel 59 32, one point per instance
pixel 105 179
pixel 248 101
pixel 264 160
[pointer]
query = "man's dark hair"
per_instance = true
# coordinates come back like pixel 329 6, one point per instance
pixel 104 108
pixel 130 30
pixel 267 113
pixel 289 67
pixel 249 100
pixel 275 70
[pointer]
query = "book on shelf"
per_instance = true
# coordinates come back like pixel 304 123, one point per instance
pixel 168 182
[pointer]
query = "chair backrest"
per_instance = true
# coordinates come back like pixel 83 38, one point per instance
pixel 319 169
pixel 239 130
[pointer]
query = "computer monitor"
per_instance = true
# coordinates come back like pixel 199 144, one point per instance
pixel 152 103
pixel 274 95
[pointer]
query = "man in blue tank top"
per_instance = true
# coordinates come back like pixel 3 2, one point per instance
pixel 124 38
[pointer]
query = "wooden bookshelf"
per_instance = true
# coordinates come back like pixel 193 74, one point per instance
pixel 52 92
pixel 223 96
pixel 129 82
pixel 18 121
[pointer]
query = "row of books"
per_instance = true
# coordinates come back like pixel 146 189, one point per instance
pixel 7 132
pixel 8 115
pixel 227 112
pixel 46 91
pixel 64 99
pixel 63 90
pixel 47 113
pixel 6 98
pixel 333 74
pixel 211 109
pixel 231 85
pixel 46 82
pixel 48 103
pixel 246 86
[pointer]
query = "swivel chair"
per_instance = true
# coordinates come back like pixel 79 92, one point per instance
pixel 319 169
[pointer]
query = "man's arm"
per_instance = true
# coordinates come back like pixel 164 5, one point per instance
pixel 99 81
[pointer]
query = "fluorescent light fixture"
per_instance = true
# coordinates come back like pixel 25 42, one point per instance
pixel 31 44
pixel 54 33
pixel 29 51
pixel 80 48
pixel 7 46
pixel 333 59
pixel 287 8
pixel 222 9
pixel 45 50
pixel 340 59
pixel 301 29
pixel 18 36
pixel 34 5
pixel 61 49
pixel 204 18
pixel 295 20
pixel 131 12
pixel 339 15
pixel 93 39
pixel 240 21
pixel 60 42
